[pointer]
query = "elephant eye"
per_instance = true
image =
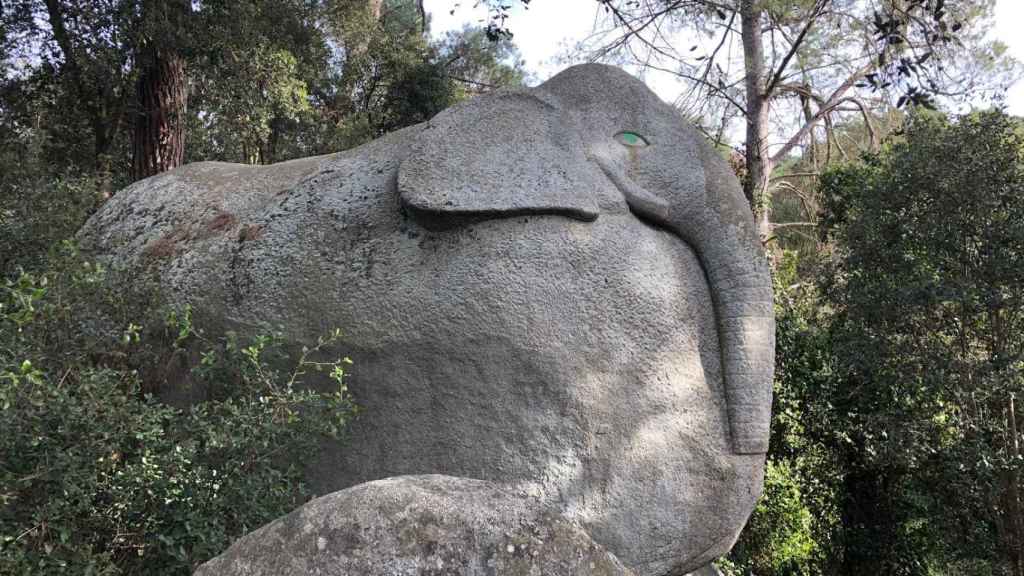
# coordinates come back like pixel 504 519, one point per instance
pixel 631 139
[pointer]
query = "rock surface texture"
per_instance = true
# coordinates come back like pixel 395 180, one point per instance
pixel 557 289
pixel 417 526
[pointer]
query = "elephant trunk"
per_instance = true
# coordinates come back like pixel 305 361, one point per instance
pixel 741 290
pixel 720 228
pixel 723 233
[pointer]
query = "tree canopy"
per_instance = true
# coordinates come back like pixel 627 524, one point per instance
pixel 900 363
pixel 928 287
pixel 129 87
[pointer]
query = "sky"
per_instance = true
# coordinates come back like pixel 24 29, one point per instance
pixel 1009 20
pixel 548 27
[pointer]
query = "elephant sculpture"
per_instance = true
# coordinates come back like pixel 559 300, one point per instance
pixel 557 289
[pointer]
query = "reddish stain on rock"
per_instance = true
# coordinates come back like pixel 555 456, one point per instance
pixel 221 222
pixel 250 232
pixel 167 245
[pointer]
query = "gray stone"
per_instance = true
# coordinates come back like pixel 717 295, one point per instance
pixel 528 301
pixel 418 526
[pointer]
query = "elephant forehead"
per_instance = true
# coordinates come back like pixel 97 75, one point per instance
pixel 608 97
pixel 605 101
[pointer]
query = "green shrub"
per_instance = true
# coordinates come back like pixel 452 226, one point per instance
pixel 37 211
pixel 779 537
pixel 97 476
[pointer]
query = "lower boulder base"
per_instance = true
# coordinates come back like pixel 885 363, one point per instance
pixel 418 525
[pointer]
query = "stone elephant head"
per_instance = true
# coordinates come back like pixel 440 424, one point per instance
pixel 556 289
pixel 591 133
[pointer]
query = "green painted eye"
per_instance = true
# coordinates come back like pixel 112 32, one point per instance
pixel 631 139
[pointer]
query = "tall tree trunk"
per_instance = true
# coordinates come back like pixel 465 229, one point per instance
pixel 758 159
pixel 158 134
pixel 158 137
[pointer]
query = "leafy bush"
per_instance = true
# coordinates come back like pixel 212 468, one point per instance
pixel 780 535
pixel 98 476
pixel 37 210
pixel 927 285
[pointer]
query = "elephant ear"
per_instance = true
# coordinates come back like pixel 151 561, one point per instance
pixel 499 155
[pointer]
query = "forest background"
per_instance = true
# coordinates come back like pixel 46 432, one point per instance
pixel 895 229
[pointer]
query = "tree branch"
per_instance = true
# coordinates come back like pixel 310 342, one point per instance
pixel 833 101
pixel 635 32
pixel 714 53
pixel 468 81
pixel 797 175
pixel 715 88
pixel 872 134
pixel 60 33
pixel 819 5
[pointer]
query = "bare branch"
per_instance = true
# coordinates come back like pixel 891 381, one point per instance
pixel 714 53
pixel 872 134
pixel 833 101
pixel 719 89
pixel 797 175
pixel 473 82
pixel 635 32
pixel 819 5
